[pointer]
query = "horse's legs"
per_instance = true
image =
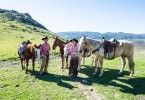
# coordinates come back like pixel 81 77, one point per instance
pixel 123 64
pixel 62 58
pixel 96 66
pixel 22 64
pixel 83 60
pixel 131 65
pixel 33 63
pixel 27 64
pixel 67 61
pixel 101 67
pixel 93 60
pixel 79 63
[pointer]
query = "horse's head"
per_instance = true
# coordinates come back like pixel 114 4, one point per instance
pixel 37 50
pixel 66 50
pixel 56 43
pixel 82 44
pixel 37 47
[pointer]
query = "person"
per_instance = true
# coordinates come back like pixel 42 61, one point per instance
pixel 73 72
pixel 44 51
pixel 105 46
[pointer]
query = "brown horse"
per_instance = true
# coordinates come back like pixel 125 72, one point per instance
pixel 60 44
pixel 30 53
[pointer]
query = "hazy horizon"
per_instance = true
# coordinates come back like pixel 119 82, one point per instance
pixel 84 15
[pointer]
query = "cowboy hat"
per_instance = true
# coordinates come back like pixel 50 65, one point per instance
pixel 75 40
pixel 45 38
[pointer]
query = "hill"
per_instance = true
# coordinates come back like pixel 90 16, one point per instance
pixel 16 27
pixel 97 35
pixel 12 15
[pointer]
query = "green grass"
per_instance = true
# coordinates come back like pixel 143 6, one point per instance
pixel 15 84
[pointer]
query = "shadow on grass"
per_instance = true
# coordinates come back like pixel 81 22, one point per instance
pixel 131 85
pixel 54 78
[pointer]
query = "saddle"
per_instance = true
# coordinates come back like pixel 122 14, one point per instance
pixel 23 47
pixel 109 45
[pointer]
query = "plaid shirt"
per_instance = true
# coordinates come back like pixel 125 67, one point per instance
pixel 45 49
pixel 74 51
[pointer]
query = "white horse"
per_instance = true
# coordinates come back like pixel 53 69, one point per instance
pixel 126 50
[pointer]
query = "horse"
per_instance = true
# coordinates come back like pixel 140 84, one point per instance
pixel 61 45
pixel 29 53
pixel 125 50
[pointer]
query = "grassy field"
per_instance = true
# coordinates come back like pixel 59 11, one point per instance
pixel 15 84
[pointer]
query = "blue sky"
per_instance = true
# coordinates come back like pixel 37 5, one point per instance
pixel 84 15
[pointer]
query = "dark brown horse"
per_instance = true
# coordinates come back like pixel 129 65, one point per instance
pixel 60 44
pixel 30 53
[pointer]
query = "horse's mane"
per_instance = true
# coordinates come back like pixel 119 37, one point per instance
pixel 93 40
pixel 61 40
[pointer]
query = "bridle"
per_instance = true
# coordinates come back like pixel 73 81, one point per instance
pixel 55 45
pixel 97 49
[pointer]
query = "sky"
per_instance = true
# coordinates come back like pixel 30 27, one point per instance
pixel 84 15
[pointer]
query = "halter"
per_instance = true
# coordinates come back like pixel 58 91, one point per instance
pixel 95 49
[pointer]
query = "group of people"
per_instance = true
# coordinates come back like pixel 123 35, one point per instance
pixel 45 51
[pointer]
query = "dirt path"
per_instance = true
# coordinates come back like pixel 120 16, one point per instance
pixel 90 92
pixel 11 64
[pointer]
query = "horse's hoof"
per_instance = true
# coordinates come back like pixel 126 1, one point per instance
pixel 79 69
pixel 131 75
pixel 26 71
pixel 94 74
pixel 100 75
pixel 120 73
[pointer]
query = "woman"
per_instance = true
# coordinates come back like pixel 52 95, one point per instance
pixel 73 72
pixel 44 51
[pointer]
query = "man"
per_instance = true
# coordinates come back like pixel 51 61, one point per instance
pixel 73 72
pixel 106 45
pixel 44 51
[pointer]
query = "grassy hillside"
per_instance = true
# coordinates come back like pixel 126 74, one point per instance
pixel 12 15
pixel 12 33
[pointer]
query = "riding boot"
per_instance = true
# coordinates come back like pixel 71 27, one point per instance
pixel 43 66
pixel 46 66
pixel 45 69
